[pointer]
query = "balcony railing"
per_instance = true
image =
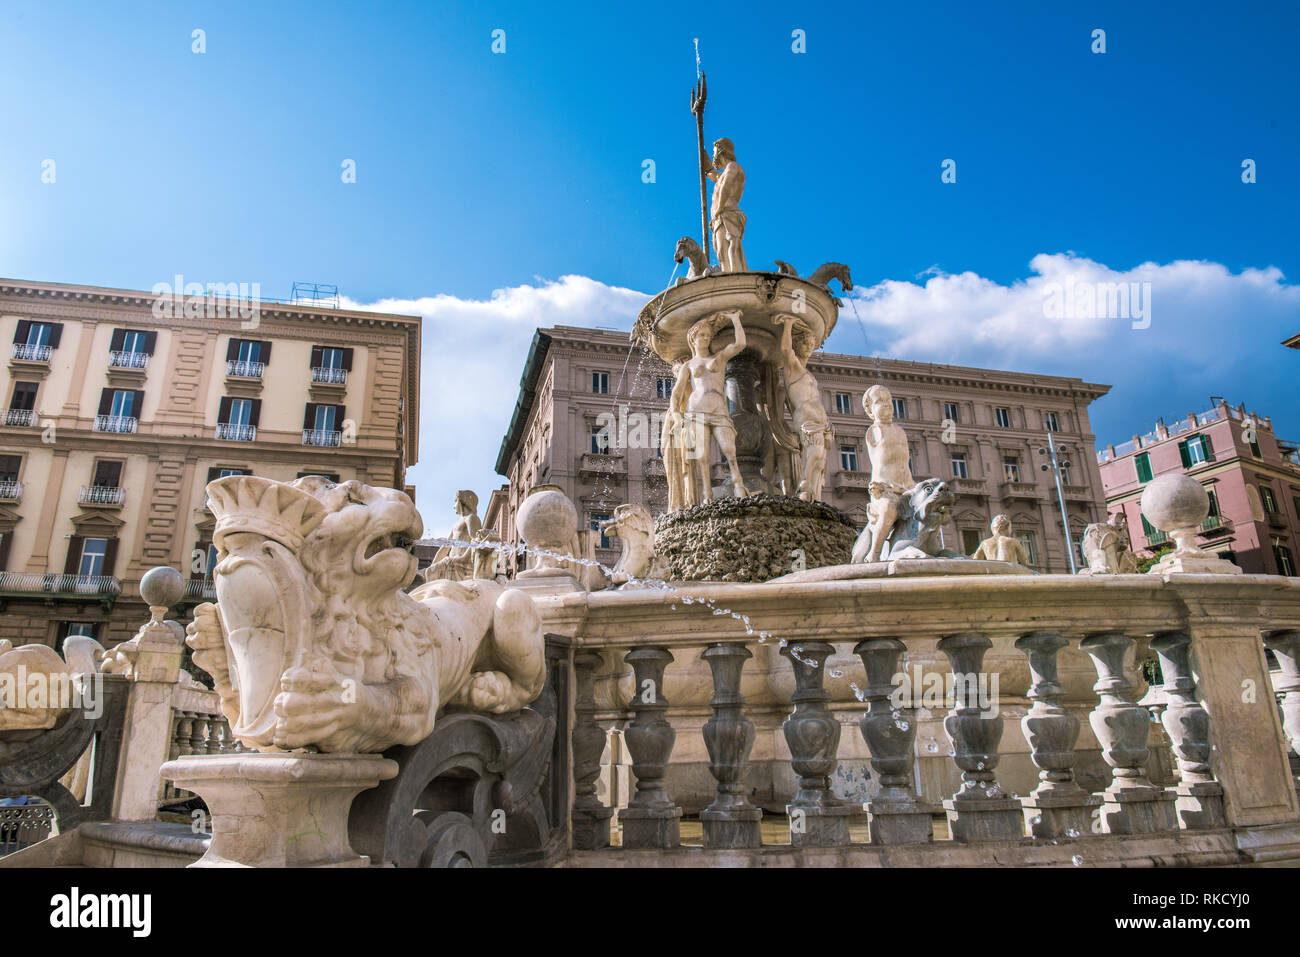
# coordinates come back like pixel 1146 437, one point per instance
pixel 116 423
pixel 233 432
pixel 101 495
pixel 1012 489
pixel 324 437
pixel 602 464
pixel 963 485
pixel 36 583
pixel 32 353
pixel 200 588
pixel 1275 519
pixel 241 369
pixel 11 491
pixel 1155 537
pixel 128 360
pixel 1216 523
pixel 20 417
pixel 848 478
pixel 330 376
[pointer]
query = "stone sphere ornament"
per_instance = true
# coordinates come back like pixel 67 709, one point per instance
pixel 1176 504
pixel 548 520
pixel 162 587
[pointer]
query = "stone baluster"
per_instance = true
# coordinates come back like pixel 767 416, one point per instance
pixel 889 728
pixel 730 821
pixel 590 817
pixel 1198 797
pixel 817 817
pixel 1132 804
pixel 651 819
pixel 979 810
pixel 215 728
pixel 1285 644
pixel 198 732
pixel 180 743
pixel 1058 808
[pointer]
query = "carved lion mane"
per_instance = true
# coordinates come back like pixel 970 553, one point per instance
pixel 314 643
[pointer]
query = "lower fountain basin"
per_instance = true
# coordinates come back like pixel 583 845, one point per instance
pixel 752 539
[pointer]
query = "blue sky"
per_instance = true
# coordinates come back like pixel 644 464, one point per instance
pixel 484 180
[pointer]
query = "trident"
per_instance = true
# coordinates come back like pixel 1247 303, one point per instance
pixel 698 94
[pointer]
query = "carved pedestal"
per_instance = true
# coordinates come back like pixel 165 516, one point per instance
pixel 1058 808
pixel 730 821
pixel 1199 797
pixel 590 817
pixel 279 810
pixel 817 817
pixel 897 816
pixel 1132 804
pixel 651 819
pixel 1286 645
pixel 979 810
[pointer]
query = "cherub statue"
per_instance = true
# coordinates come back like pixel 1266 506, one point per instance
pixel 1001 547
pixel 891 475
pixel 707 417
pixel 456 562
pixel 810 421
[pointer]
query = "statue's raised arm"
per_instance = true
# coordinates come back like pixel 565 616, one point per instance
pixel 736 348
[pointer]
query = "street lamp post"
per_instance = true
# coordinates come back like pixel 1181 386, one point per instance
pixel 1060 498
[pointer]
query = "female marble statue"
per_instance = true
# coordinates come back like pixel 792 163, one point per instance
pixel 810 421
pixel 707 418
pixel 673 443
pixel 456 563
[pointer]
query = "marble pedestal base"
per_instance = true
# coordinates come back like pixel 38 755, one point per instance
pixel 1200 805
pixel 1060 815
pixel 279 810
pixel 902 822
pixel 732 828
pixel 591 827
pixel 820 825
pixel 975 820
pixel 651 827
pixel 1139 810
pixel 1191 564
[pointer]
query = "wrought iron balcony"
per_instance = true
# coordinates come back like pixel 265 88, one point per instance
pixel 20 417
pixel 11 491
pixel 101 495
pixel 322 437
pixel 200 588
pixel 234 432
pixel 128 360
pixel 1156 537
pixel 1216 525
pixel 241 369
pixel 116 423
pixel 32 353
pixel 329 376
pixel 36 583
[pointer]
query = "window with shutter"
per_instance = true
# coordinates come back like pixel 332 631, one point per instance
pixel 1143 463
pixel 9 467
pixel 107 474
pixel 24 397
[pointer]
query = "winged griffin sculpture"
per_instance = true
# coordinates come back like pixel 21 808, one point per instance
pixel 314 643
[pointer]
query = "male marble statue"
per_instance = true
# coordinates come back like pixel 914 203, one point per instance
pixel 707 417
pixel 891 475
pixel 810 421
pixel 1001 547
pixel 726 222
pixel 454 562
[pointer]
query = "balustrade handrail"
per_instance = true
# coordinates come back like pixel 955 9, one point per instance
pixel 245 369
pixel 31 352
pixel 128 360
pixel 116 423
pixel 321 437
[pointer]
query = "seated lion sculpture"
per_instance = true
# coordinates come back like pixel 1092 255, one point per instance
pixel 922 512
pixel 313 642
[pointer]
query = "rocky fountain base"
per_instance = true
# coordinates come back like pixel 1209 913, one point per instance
pixel 753 539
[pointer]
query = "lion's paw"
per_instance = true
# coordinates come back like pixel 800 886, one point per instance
pixel 311 708
pixel 491 691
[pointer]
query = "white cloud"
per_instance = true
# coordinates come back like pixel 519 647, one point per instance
pixel 472 356
pixel 1211 331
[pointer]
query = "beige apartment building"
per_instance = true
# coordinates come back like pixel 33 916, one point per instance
pixel 980 429
pixel 123 405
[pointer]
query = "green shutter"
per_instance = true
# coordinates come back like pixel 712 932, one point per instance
pixel 1187 457
pixel 1144 467
pixel 1205 447
pixel 1146 526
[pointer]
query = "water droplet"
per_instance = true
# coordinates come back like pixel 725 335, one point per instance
pixel 835 672
pixel 933 746
pixel 1072 832
pixel 1077 860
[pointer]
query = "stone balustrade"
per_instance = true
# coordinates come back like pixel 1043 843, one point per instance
pixel 198 727
pixel 1207 632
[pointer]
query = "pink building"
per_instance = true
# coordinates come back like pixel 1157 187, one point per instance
pixel 1252 477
